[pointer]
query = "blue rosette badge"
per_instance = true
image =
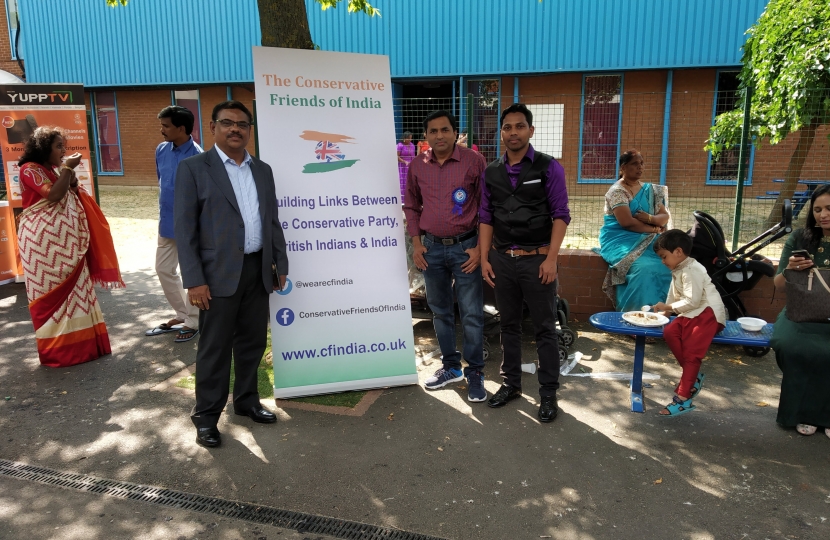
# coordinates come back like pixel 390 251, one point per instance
pixel 459 197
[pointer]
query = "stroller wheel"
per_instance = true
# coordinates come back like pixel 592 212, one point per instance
pixel 563 356
pixel 562 318
pixel 568 337
pixel 756 352
pixel 485 353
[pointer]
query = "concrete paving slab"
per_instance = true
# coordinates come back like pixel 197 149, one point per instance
pixel 441 466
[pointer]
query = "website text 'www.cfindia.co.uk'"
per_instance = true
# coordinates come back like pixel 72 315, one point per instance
pixel 344 350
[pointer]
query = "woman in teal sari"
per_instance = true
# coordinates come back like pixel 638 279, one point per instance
pixel 635 213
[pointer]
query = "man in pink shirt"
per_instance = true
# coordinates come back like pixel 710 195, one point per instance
pixel 443 192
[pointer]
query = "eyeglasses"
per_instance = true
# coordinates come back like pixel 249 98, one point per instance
pixel 227 124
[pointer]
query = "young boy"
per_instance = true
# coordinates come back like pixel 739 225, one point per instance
pixel 700 315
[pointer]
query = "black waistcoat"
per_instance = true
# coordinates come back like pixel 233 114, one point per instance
pixel 521 216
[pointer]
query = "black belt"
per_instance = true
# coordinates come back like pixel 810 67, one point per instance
pixel 450 240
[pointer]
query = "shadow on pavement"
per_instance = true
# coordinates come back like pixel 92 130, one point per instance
pixel 427 462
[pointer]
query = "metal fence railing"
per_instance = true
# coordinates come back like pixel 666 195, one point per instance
pixel 587 132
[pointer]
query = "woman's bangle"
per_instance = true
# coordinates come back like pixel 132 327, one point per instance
pixel 649 218
pixel 656 229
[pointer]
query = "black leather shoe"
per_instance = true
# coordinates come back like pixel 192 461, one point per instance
pixel 505 393
pixel 548 409
pixel 208 436
pixel 258 414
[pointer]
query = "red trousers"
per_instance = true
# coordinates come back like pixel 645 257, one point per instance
pixel 689 340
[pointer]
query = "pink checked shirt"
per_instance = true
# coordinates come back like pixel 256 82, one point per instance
pixel 428 200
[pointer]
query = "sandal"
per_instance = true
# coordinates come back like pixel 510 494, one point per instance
pixel 678 407
pixel 698 385
pixel 164 328
pixel 806 429
pixel 186 334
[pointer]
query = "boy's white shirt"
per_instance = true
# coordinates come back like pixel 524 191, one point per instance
pixel 691 291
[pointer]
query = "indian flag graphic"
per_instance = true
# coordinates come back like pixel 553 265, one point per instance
pixel 328 156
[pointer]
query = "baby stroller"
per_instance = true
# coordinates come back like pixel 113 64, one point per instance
pixel 735 272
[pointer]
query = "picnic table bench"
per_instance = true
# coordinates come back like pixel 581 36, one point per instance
pixel 799 198
pixel 612 322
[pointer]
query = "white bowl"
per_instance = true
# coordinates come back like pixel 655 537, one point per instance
pixel 751 324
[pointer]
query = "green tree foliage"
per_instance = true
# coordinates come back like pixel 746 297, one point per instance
pixel 786 61
pixel 355 6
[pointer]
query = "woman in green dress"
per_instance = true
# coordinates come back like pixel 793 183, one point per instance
pixel 802 350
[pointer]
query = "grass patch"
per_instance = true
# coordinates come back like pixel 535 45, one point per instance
pixel 343 399
pixel 265 386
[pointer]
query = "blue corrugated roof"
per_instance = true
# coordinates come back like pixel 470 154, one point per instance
pixel 148 42
pixel 435 38
pixel 175 42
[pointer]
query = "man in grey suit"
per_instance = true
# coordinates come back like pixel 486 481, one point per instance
pixel 228 235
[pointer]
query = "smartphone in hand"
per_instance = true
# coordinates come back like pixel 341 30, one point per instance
pixel 803 253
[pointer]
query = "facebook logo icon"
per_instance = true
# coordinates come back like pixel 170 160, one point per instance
pixel 285 317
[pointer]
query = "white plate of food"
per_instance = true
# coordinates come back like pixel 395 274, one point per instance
pixel 642 318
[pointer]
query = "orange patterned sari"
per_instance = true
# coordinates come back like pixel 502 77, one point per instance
pixel 65 247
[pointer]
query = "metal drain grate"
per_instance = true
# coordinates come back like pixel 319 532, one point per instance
pixel 265 515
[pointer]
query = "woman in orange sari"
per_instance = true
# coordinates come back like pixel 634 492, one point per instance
pixel 65 247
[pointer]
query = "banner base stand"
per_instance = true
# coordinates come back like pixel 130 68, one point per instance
pixel 345 386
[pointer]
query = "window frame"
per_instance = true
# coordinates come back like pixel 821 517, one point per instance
pixel 12 35
pixel 579 178
pixel 96 131
pixel 709 180
pixel 198 112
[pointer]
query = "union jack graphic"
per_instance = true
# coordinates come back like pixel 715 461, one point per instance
pixel 328 151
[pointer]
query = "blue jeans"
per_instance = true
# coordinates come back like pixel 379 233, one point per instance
pixel 444 264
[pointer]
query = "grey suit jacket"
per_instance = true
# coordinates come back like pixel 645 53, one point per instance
pixel 210 234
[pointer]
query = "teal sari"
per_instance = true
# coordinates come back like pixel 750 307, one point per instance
pixel 636 276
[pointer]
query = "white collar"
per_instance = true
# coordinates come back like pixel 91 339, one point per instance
pixel 224 157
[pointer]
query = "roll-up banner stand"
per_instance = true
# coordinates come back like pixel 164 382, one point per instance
pixel 24 108
pixel 325 125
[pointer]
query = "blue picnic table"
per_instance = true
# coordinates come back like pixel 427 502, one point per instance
pixel 800 198
pixel 612 322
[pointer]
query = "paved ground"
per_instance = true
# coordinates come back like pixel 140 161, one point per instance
pixel 441 466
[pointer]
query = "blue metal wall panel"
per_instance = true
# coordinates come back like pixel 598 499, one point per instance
pixel 450 38
pixel 149 42
pixel 189 42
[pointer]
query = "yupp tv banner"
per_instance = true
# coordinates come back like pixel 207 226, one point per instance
pixel 24 108
pixel 325 126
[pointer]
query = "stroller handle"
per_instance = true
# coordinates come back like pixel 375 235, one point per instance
pixel 787 215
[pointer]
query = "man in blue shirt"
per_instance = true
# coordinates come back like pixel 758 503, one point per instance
pixel 176 126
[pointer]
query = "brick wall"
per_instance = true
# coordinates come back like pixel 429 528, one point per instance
pixel 6 62
pixel 582 273
pixel 139 129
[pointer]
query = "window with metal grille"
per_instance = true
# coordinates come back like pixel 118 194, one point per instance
pixel 189 99
pixel 600 128
pixel 107 134
pixel 485 131
pixel 12 20
pixel 724 171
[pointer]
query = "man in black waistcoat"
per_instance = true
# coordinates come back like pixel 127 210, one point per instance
pixel 523 218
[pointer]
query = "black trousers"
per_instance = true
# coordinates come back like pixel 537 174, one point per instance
pixel 234 327
pixel 517 281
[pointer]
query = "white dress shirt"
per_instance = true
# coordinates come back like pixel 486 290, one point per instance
pixel 244 187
